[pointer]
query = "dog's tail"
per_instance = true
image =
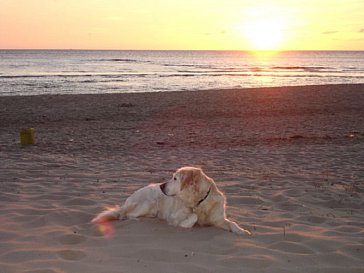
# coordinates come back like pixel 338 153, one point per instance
pixel 108 215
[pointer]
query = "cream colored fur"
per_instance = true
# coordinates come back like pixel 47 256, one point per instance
pixel 189 198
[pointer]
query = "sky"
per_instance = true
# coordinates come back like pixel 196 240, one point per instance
pixel 182 24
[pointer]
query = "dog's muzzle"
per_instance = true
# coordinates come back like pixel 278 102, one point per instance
pixel 164 189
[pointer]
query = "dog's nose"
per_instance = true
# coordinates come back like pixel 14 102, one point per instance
pixel 162 186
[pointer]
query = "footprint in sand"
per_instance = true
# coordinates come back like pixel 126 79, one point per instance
pixel 43 271
pixel 20 256
pixel 71 255
pixel 312 219
pixel 79 202
pixel 291 247
pixel 72 239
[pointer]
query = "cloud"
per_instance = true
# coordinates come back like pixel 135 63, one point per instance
pixel 330 32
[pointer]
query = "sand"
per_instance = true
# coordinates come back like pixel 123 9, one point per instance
pixel 290 161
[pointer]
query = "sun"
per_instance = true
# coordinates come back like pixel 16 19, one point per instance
pixel 264 34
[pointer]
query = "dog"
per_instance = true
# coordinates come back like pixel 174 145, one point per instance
pixel 189 198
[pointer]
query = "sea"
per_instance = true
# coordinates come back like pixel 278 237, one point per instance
pixel 39 72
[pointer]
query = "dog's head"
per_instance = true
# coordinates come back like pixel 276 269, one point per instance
pixel 190 184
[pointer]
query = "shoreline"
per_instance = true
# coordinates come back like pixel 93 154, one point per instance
pixel 289 160
pixel 241 89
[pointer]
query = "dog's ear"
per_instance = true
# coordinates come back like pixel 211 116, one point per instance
pixel 190 178
pixel 186 180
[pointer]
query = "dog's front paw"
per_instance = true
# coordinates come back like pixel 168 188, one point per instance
pixel 238 230
pixel 189 222
pixel 242 231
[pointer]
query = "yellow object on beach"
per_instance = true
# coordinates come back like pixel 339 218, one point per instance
pixel 27 136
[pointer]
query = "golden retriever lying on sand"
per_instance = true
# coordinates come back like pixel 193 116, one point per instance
pixel 190 197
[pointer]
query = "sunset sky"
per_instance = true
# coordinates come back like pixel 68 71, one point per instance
pixel 182 24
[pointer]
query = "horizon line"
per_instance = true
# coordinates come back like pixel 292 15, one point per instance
pixel 237 50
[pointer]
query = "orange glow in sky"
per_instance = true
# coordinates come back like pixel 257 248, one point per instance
pixel 182 25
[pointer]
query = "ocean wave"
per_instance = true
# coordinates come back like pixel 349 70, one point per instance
pixel 95 78
pixel 191 65
pixel 118 60
pixel 121 60
pixel 21 76
pixel 252 74
pixel 122 75
pixel 214 71
pixel 178 75
pixel 45 76
pixel 255 69
pixel 305 68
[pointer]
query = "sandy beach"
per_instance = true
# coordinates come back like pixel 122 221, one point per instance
pixel 289 159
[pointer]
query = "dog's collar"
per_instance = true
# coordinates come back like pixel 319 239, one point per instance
pixel 203 199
